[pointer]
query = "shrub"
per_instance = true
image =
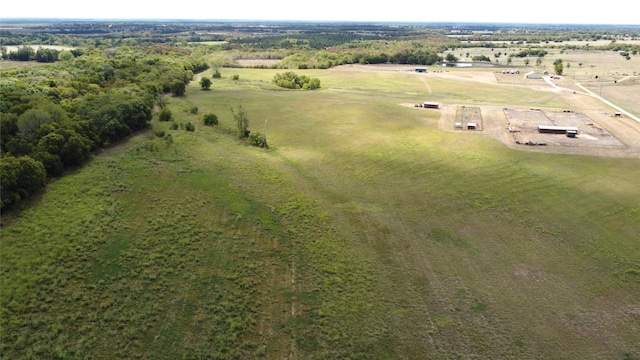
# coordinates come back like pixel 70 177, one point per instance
pixel 174 126
pixel 216 74
pixel 193 109
pixel 159 133
pixel 165 115
pixel 210 119
pixel 257 139
pixel 189 126
pixel 235 77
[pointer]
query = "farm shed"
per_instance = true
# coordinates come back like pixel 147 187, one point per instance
pixel 544 129
pixel 472 126
pixel 532 75
pixel 421 69
pixel 431 105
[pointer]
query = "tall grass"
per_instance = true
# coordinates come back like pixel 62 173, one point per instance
pixel 364 233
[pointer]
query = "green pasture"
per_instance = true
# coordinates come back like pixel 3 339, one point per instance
pixel 364 232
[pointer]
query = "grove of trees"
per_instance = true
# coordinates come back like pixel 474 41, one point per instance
pixel 54 116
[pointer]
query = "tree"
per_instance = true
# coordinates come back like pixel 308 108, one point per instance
pixel 558 67
pixel 242 121
pixel 46 55
pixel 65 55
pixel 25 53
pixel 205 83
pixel 31 120
pixel 20 177
pixel 177 87
pixel 451 58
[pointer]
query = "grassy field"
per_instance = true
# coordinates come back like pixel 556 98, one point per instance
pixel 363 233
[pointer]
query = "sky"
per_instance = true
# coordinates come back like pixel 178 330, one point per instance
pixel 483 11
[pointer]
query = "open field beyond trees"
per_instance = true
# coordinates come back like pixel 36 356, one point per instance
pixel 364 232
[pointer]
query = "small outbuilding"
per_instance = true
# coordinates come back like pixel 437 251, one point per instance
pixel 545 129
pixel 421 69
pixel 431 105
pixel 532 75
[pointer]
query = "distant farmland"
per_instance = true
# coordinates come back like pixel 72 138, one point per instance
pixel 364 232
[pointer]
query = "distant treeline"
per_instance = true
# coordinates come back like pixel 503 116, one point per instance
pixel 297 36
pixel 43 54
pixel 54 116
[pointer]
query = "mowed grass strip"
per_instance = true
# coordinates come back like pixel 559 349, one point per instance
pixel 364 232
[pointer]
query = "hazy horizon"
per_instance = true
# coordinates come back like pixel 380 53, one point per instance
pixel 463 11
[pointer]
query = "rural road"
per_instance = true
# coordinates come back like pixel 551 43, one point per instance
pixel 630 115
pixel 592 94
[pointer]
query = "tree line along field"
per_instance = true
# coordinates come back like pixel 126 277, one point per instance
pixel 363 232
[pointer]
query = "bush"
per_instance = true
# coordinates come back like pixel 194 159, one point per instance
pixel 193 110
pixel 257 139
pixel 159 133
pixel 189 126
pixel 165 115
pixel 235 77
pixel 291 80
pixel 210 119
pixel 174 126
pixel 216 74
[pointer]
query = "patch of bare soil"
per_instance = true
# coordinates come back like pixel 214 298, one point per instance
pixel 257 62
pixel 601 133
pixel 517 129
pixel 374 67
